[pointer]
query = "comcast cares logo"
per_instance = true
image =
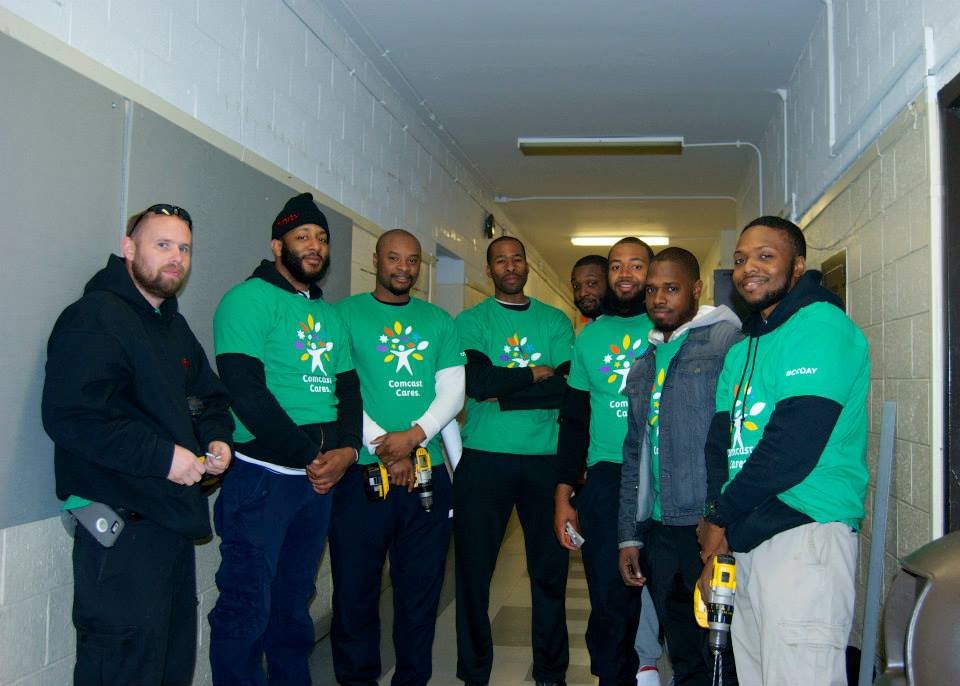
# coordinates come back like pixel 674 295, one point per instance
pixel 743 410
pixel 518 352
pixel 402 343
pixel 621 357
pixel 312 344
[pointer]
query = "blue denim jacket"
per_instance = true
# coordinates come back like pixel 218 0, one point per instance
pixel 688 403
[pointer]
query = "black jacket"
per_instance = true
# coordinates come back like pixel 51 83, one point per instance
pixel 124 383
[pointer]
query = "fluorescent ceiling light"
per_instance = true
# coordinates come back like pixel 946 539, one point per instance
pixel 610 240
pixel 602 145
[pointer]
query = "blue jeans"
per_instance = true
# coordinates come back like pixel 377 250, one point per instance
pixel 272 528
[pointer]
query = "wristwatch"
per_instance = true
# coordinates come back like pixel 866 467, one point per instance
pixel 712 515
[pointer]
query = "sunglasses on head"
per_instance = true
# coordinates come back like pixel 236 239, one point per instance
pixel 164 209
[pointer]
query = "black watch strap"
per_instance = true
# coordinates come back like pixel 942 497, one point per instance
pixel 712 515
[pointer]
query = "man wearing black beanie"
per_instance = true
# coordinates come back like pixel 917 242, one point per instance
pixel 284 355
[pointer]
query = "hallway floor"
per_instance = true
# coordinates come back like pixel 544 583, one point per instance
pixel 510 613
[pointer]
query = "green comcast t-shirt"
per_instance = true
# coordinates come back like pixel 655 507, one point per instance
pixel 302 344
pixel 818 352
pixel 513 338
pixel 663 354
pixel 398 349
pixel 603 355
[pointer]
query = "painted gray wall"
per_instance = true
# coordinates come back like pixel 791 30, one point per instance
pixel 61 182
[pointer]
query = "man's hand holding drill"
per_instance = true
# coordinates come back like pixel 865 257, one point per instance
pixel 394 449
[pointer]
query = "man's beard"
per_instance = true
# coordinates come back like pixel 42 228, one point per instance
pixel 624 308
pixel 515 289
pixel 158 285
pixel 771 298
pixel 294 265
pixel 685 318
pixel 388 284
pixel 593 313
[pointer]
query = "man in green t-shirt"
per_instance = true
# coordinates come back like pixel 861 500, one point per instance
pixel 410 363
pixel 786 464
pixel 284 355
pixel 672 392
pixel 594 419
pixel 588 279
pixel 514 346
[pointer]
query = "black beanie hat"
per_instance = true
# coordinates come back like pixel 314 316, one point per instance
pixel 298 211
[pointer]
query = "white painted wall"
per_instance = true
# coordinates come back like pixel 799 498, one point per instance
pixel 879 60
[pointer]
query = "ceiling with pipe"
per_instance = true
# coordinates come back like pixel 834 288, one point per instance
pixel 486 73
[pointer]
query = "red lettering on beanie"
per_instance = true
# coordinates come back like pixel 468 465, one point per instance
pixel 286 220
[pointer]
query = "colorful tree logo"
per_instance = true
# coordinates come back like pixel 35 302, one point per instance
pixel 518 352
pixel 313 346
pixel 655 394
pixel 617 363
pixel 740 420
pixel 401 343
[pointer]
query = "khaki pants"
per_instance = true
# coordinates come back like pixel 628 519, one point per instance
pixel 794 607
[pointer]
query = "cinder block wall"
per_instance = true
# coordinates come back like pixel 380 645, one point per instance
pixel 857 177
pixel 881 217
pixel 37 641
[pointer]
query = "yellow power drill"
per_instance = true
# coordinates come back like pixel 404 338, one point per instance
pixel 424 470
pixel 717 614
pixel 376 479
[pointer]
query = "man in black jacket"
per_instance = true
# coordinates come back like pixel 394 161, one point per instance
pixel 285 356
pixel 138 417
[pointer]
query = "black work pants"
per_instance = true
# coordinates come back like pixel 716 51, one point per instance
pixel 486 488
pixel 135 608
pixel 670 560
pixel 614 606
pixel 362 534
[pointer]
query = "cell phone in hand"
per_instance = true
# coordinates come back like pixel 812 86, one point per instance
pixel 576 539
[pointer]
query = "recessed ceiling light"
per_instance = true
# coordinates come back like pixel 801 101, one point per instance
pixel 610 240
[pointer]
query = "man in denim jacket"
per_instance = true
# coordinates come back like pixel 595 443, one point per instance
pixel 671 393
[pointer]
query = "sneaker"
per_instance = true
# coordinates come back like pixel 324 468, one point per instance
pixel 648 676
